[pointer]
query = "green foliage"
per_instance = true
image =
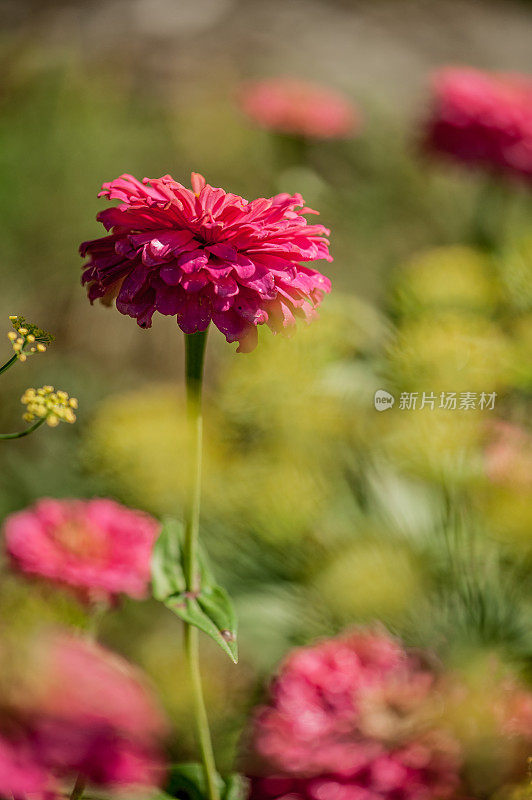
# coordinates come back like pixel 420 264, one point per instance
pixel 187 782
pixel 210 609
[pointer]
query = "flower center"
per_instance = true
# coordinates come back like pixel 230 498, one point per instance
pixel 82 540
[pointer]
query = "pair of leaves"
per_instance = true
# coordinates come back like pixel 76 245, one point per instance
pixel 210 609
pixel 187 782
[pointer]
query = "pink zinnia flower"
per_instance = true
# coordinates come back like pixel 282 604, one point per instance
pixel 206 255
pixel 352 718
pixel 293 106
pixel 20 773
pixel 98 547
pixel 483 119
pixel 78 710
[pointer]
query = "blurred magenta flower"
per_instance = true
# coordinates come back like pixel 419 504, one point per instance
pixel 353 718
pixel 293 106
pixel 78 711
pixel 20 774
pixel 483 119
pixel 98 547
pixel 205 255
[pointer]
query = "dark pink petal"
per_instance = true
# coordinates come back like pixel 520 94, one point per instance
pixel 225 252
pixel 243 267
pixel 194 315
pixel 171 275
pixel 195 281
pixel 248 340
pixel 225 287
pixel 230 324
pixel 192 261
pixel 134 283
pixel 168 300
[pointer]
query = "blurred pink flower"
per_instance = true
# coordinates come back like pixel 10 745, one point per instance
pixel 20 773
pixel 352 718
pixel 508 455
pixel 98 547
pixel 483 119
pixel 293 106
pixel 206 255
pixel 79 710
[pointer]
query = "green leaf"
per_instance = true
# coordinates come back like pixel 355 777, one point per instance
pixel 187 782
pixel 190 610
pixel 211 609
pixel 235 787
pixel 218 606
pixel 167 574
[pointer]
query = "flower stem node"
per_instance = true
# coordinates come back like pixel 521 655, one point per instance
pixel 50 405
pixel 27 338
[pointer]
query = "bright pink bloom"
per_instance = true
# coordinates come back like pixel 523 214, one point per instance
pixel 206 255
pixel 483 119
pixel 20 773
pixel 78 711
pixel 98 547
pixel 352 718
pixel 94 716
pixel 293 106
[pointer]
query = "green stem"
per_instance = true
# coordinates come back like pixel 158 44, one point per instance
pixel 20 434
pixel 194 359
pixel 6 366
pixel 79 788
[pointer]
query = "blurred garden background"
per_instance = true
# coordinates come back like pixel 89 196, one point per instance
pixel 319 512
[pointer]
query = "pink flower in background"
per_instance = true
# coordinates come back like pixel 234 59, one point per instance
pixel 78 710
pixel 352 718
pixel 293 106
pixel 20 773
pixel 206 255
pixel 94 716
pixel 483 119
pixel 508 456
pixel 98 547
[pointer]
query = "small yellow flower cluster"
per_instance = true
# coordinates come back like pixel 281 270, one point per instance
pixel 46 403
pixel 27 338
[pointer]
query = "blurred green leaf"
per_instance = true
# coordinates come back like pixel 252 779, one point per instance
pixel 235 787
pixel 187 782
pixel 167 575
pixel 211 610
